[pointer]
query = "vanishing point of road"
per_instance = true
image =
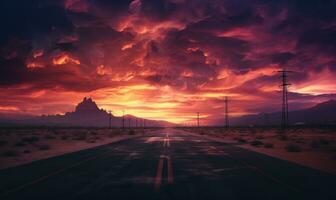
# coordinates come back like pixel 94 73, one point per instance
pixel 166 164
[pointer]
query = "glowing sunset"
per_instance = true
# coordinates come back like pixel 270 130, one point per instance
pixel 165 59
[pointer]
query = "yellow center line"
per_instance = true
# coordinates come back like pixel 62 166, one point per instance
pixel 158 177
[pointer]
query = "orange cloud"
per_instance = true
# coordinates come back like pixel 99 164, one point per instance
pixel 65 59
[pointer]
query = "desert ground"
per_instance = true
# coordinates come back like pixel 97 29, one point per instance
pixel 312 147
pixel 24 145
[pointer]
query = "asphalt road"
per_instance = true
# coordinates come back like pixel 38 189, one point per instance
pixel 167 164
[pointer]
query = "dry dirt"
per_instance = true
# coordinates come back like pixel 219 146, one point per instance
pixel 315 148
pixel 20 146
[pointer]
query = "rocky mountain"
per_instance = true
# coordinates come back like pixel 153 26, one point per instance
pixel 86 114
pixel 320 114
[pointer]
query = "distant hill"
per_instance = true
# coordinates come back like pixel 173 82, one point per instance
pixel 86 114
pixel 320 114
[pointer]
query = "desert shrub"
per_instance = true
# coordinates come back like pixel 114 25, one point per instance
pixel 131 132
pixel 253 131
pixel 26 151
pixel 31 139
pixel 300 141
pixel 96 138
pixel 283 137
pixel 259 137
pixel 293 148
pixel 55 132
pixel 3 142
pixel 242 140
pixel 19 144
pixel 93 133
pixel 323 141
pixel 256 143
pixel 64 137
pixel 50 137
pixel 268 145
pixel 10 153
pixel 43 147
pixel 80 137
pixel 90 141
pixel 314 144
pixel 333 156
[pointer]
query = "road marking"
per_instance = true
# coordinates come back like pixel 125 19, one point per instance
pixel 158 178
pixel 166 142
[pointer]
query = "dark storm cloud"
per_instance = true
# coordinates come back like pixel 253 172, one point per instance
pixel 193 46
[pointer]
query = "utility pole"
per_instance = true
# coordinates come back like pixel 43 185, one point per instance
pixel 123 120
pixel 198 119
pixel 284 86
pixel 136 122
pixel 110 120
pixel 226 112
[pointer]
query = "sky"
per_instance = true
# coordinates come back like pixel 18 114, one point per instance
pixel 165 59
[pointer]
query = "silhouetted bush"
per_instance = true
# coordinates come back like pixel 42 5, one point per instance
pixel 50 137
pixel 314 144
pixel 269 145
pixel 80 137
pixel 131 132
pixel 93 133
pixel 64 137
pixel 259 137
pixel 253 131
pixel 26 151
pixel 31 139
pixel 283 137
pixel 10 153
pixel 19 144
pixel 3 142
pixel 293 148
pixel 323 141
pixel 43 147
pixel 242 140
pixel 256 143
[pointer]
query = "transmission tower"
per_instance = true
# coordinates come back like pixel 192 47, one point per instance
pixel 284 86
pixel 110 115
pixel 198 119
pixel 226 112
pixel 123 120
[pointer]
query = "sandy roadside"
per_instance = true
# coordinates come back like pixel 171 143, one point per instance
pixel 28 152
pixel 318 158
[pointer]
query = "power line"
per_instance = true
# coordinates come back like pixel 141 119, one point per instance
pixel 198 119
pixel 110 116
pixel 226 112
pixel 123 120
pixel 284 85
